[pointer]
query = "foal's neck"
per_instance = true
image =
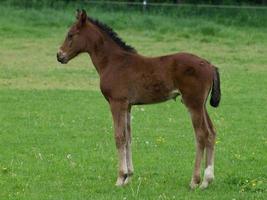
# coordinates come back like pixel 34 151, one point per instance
pixel 103 50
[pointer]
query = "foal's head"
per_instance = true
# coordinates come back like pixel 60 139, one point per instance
pixel 76 39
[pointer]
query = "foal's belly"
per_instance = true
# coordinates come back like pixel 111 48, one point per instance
pixel 152 86
pixel 150 97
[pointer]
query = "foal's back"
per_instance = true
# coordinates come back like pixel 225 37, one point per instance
pixel 155 79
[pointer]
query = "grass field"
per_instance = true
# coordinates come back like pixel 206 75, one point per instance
pixel 56 137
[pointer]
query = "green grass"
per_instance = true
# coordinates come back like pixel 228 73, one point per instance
pixel 56 137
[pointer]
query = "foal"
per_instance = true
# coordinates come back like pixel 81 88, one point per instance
pixel 127 78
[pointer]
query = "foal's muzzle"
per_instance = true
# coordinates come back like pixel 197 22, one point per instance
pixel 61 57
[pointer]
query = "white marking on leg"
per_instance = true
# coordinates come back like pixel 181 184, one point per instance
pixel 129 159
pixel 208 176
pixel 123 167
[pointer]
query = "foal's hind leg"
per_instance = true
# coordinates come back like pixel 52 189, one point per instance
pixel 210 143
pixel 200 134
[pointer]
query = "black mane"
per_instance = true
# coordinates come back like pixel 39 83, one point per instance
pixel 114 36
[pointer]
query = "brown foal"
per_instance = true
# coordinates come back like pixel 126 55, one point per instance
pixel 127 78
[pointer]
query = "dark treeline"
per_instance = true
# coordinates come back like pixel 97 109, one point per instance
pixel 214 2
pixel 211 2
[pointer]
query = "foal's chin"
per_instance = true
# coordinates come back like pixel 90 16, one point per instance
pixel 63 61
pixel 66 59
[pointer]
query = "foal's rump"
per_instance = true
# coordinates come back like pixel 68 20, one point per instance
pixel 195 77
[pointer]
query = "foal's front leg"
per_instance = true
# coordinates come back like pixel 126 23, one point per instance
pixel 119 113
pixel 128 144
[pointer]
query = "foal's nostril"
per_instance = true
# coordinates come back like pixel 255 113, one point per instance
pixel 59 57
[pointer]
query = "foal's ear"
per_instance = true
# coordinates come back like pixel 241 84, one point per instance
pixel 81 16
pixel 77 13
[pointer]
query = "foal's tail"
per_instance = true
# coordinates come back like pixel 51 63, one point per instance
pixel 216 89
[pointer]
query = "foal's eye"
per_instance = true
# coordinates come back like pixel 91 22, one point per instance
pixel 70 35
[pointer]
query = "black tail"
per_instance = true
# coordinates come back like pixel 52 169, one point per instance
pixel 216 89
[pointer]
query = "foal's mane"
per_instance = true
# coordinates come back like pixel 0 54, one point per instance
pixel 112 34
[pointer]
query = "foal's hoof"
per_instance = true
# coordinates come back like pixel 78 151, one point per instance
pixel 120 182
pixel 204 185
pixel 208 177
pixel 123 180
pixel 193 185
